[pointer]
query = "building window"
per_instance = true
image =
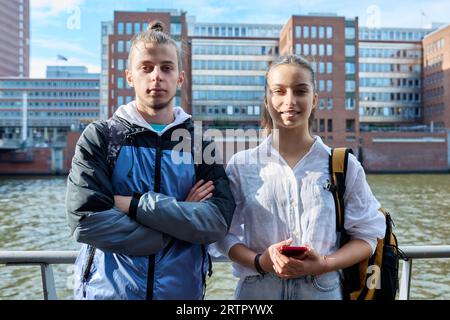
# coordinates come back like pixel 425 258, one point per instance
pixel 129 28
pixel 321 50
pixel 349 50
pixel 305 49
pixel 349 86
pixel 313 32
pixel 329 49
pixel 321 32
pixel 137 27
pixel 120 46
pixel 350 125
pixel 349 33
pixel 305 31
pixel 330 125
pixel 120 28
pixel 329 67
pixel 321 125
pixel 321 104
pixel 329 32
pixel 350 104
pixel 298 32
pixel 330 103
pixel 298 49
pixel 349 68
pixel 175 29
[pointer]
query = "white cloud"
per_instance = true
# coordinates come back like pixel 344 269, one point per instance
pixel 38 66
pixel 64 47
pixel 55 7
pixel 44 9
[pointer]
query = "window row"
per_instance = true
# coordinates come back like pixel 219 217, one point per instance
pixel 389 67
pixel 48 84
pixel 227 95
pixel 236 31
pixel 49 94
pixel 18 104
pixel 228 110
pixel 390 96
pixel 389 53
pixel 376 34
pixel 41 114
pixel 434 93
pixel 132 28
pixel 390 82
pixel 314 32
pixel 229 65
pixel 314 49
pixel 403 112
pixel 229 80
pixel 235 50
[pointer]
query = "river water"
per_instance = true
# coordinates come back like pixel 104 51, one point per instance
pixel 32 217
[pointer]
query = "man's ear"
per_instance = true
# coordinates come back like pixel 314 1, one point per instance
pixel 129 77
pixel 180 80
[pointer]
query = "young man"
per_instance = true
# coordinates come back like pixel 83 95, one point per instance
pixel 143 220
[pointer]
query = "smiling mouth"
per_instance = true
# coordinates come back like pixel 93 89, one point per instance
pixel 289 112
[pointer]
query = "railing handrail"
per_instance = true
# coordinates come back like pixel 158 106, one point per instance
pixel 46 258
pixel 69 256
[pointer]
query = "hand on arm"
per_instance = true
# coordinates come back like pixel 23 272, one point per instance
pixel 201 191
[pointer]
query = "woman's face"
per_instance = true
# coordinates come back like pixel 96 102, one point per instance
pixel 290 96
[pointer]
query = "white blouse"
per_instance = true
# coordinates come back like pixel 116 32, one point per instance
pixel 275 202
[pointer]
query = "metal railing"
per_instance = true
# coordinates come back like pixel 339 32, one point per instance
pixel 45 259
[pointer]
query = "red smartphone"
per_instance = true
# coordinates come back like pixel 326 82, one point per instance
pixel 290 251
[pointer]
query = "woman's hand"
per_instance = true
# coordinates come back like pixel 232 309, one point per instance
pixel 310 263
pixel 266 261
pixel 201 191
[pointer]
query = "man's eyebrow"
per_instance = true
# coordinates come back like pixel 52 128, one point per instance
pixel 151 62
pixel 302 84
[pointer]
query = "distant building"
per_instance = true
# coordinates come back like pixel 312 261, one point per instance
pixel 229 62
pixel 330 43
pixel 390 77
pixel 14 38
pixel 436 78
pixel 69 100
pixel 78 72
pixel 125 25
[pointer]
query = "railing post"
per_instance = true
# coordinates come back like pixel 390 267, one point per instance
pixel 48 282
pixel 405 281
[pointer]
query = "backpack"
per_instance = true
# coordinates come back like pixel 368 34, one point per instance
pixel 375 278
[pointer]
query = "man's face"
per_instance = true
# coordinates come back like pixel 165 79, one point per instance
pixel 154 74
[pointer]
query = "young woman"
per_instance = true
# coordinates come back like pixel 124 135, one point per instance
pixel 281 200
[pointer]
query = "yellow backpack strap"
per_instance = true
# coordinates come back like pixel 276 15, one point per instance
pixel 338 169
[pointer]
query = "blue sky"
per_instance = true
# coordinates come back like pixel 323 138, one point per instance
pixel 72 27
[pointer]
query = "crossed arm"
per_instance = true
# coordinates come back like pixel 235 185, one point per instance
pixel 95 218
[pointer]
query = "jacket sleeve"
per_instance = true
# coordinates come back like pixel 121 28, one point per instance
pixel 195 222
pixel 90 210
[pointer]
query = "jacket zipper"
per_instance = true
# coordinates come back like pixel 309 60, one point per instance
pixel 156 188
pixel 87 268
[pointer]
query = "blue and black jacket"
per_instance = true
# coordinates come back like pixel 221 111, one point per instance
pixel 158 250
